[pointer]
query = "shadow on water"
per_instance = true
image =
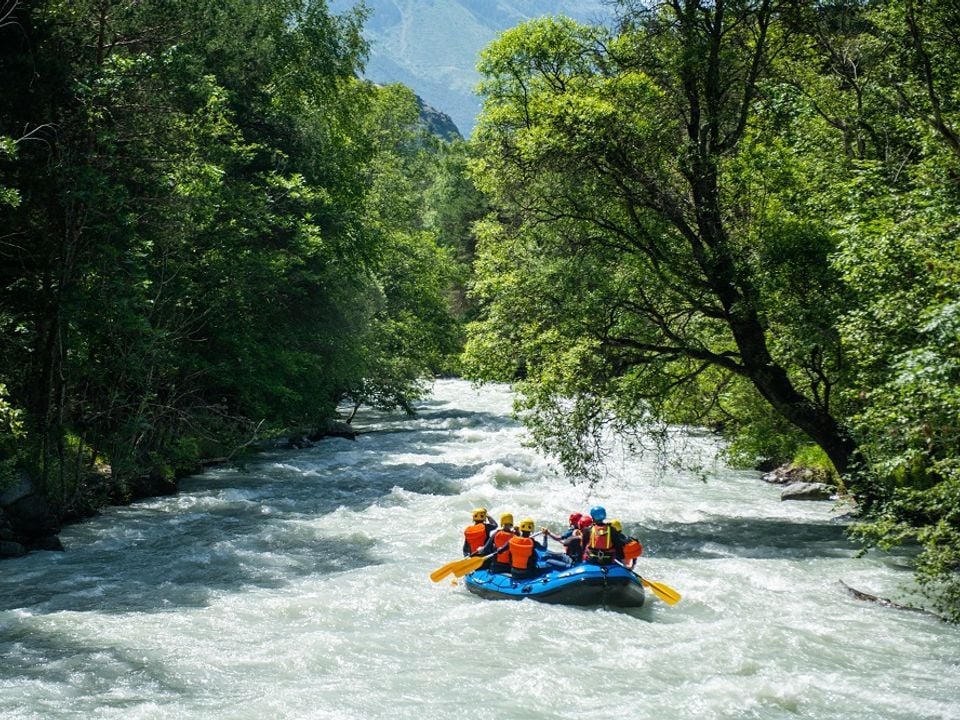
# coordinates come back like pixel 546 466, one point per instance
pixel 53 658
pixel 754 538
pixel 230 529
pixel 156 576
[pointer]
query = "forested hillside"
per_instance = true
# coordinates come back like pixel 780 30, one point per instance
pixel 744 215
pixel 212 232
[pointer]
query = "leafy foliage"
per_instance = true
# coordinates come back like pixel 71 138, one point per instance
pixel 219 234
pixel 738 214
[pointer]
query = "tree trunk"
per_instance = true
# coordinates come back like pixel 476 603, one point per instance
pixel 739 301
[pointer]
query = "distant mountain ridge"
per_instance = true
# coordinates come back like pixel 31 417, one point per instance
pixel 433 46
pixel 437 122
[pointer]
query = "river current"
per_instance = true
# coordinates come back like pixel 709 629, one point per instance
pixel 298 587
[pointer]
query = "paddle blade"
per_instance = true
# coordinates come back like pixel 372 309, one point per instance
pixel 441 572
pixel 664 592
pixel 468 565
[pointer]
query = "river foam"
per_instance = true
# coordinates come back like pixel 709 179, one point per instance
pixel 298 588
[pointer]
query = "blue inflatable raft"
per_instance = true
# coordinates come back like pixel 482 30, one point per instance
pixel 583 584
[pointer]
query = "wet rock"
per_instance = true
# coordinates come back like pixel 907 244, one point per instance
pixel 158 482
pixel 336 428
pixel 30 516
pixel 51 542
pixel 9 549
pixel 789 474
pixel 20 489
pixel 807 491
pixel 6 529
pixel 767 466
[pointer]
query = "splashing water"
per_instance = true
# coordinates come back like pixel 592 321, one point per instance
pixel 298 587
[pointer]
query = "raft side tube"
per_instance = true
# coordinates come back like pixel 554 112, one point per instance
pixel 580 585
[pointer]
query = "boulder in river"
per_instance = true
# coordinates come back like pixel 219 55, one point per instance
pixel 789 474
pixel 10 549
pixel 50 542
pixel 807 491
pixel 336 428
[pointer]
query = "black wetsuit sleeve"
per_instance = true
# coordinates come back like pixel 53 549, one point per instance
pixel 488 547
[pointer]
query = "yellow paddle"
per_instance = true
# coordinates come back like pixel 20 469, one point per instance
pixel 465 566
pixel 664 592
pixel 468 565
pixel 461 567
pixel 441 572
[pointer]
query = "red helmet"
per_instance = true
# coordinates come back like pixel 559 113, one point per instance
pixel 575 519
pixel 585 522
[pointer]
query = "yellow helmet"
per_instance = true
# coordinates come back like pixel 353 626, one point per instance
pixel 526 525
pixel 480 514
pixel 617 525
pixel 506 519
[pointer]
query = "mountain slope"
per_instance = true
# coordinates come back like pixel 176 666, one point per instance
pixel 433 45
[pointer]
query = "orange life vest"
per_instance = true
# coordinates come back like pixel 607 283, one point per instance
pixel 632 550
pixel 502 539
pixel 521 548
pixel 476 536
pixel 601 538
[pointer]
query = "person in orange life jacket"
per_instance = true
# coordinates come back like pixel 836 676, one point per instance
pixel 475 536
pixel 500 563
pixel 603 542
pixel 522 551
pixel 631 549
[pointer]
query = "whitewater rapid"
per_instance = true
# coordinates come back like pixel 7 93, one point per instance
pixel 297 587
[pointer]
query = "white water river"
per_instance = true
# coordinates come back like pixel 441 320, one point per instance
pixel 298 588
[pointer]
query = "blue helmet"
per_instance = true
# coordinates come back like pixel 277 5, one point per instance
pixel 598 513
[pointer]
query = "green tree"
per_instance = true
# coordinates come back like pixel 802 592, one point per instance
pixel 894 210
pixel 201 252
pixel 644 236
pixel 453 205
pixel 411 334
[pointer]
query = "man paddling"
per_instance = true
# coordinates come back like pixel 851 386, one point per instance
pixel 522 551
pixel 498 541
pixel 475 536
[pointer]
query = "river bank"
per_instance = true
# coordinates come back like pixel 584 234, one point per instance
pixel 29 522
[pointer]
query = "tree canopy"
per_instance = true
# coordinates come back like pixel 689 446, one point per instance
pixel 212 229
pixel 740 214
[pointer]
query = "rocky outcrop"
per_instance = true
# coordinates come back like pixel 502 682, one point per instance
pixel 9 546
pixel 333 428
pixel 808 491
pixel 26 521
pixel 437 122
pixel 789 474
pixel 803 483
